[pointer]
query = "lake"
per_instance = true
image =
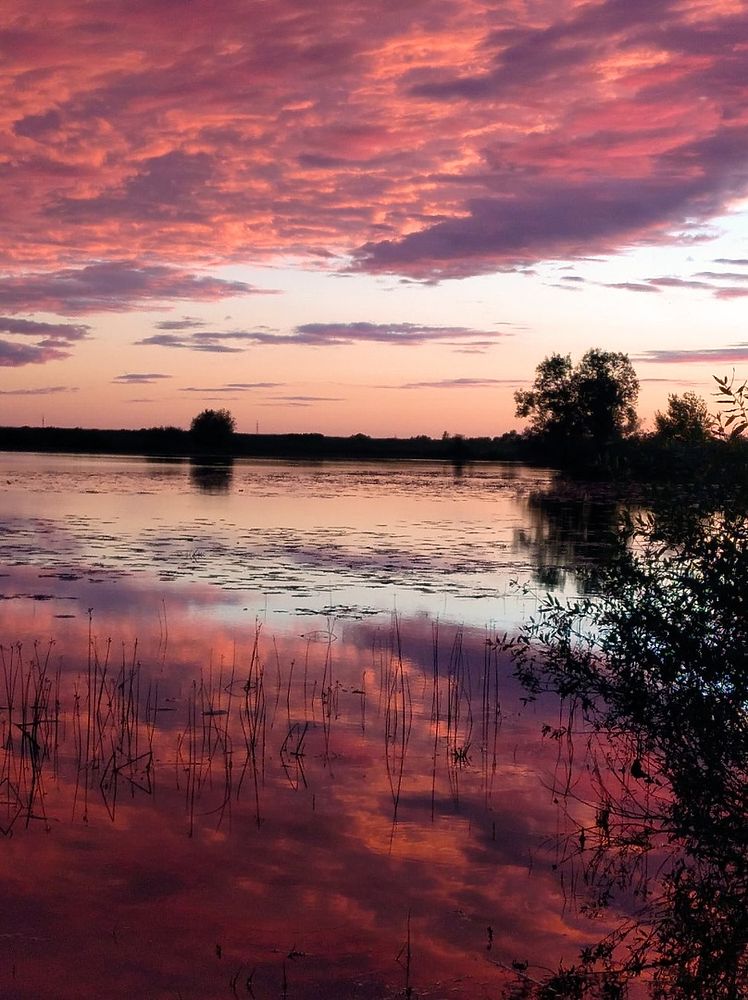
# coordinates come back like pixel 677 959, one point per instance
pixel 258 739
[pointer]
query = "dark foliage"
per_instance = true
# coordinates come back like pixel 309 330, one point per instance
pixel 171 441
pixel 686 420
pixel 732 396
pixel 653 674
pixel 213 430
pixel 590 405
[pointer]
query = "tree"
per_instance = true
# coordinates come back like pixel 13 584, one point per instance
pixel 213 429
pixel 686 419
pixel 593 401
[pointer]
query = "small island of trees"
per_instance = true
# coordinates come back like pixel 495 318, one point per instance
pixel 213 430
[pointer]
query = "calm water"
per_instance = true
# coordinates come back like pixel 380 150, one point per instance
pixel 255 741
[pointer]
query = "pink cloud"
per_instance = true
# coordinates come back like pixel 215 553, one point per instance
pixel 432 139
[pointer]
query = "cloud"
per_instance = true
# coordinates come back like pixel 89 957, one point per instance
pixel 710 355
pixel 53 331
pixel 461 383
pixel 385 333
pixel 53 341
pixel 181 324
pixel 670 282
pixel 632 286
pixel 139 378
pixel 232 387
pixel 112 286
pixel 14 355
pixel 49 390
pixel 307 400
pixel 723 275
pixel 327 334
pixel 701 281
pixel 686 383
pixel 434 139
pixel 210 343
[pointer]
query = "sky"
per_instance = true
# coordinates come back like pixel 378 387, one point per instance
pixel 365 216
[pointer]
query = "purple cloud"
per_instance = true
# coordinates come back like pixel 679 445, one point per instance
pixel 16 355
pixel 65 332
pixel 181 324
pixel 711 355
pixel 53 341
pixel 545 222
pixel 308 399
pixel 212 343
pixel 328 334
pixel 461 383
pixel 632 286
pixel 49 390
pixel 670 282
pixel 112 286
pixel 723 275
pixel 139 378
pixel 232 387
pixel 319 334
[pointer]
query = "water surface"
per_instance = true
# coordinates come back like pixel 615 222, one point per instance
pixel 258 739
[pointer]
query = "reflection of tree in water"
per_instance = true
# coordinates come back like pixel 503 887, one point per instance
pixel 657 812
pixel 572 532
pixel 212 477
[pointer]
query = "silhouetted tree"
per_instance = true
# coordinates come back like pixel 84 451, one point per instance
pixel 593 401
pixel 213 429
pixel 686 419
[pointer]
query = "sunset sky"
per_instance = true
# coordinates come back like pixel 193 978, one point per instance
pixel 365 215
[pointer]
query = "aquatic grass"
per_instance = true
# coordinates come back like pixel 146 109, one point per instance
pixel 398 719
pixel 253 721
pixel 490 716
pixel 405 958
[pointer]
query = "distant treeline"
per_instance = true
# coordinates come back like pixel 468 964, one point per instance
pixel 172 441
pixel 650 457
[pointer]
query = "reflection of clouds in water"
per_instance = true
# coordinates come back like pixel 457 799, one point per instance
pixel 168 570
pixel 324 872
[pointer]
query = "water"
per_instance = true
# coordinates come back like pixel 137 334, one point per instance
pixel 258 738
